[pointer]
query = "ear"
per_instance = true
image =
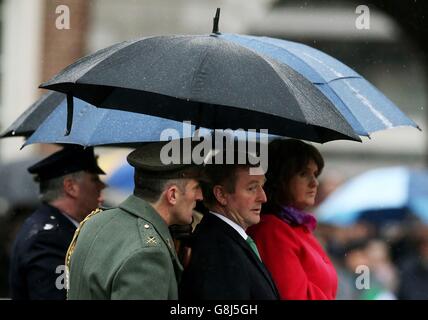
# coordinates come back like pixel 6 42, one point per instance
pixel 70 187
pixel 220 195
pixel 171 194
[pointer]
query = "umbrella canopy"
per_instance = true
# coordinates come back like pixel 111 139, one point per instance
pixel 386 191
pixel 96 126
pixel 28 122
pixel 207 79
pixel 365 108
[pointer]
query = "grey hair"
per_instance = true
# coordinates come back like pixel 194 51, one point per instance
pixel 53 189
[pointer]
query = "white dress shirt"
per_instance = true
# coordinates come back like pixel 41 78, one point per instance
pixel 233 224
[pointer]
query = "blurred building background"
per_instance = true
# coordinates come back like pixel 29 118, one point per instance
pixel 32 49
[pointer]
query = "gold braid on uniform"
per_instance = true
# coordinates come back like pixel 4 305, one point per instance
pixel 76 234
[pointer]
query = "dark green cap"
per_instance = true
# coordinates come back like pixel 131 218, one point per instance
pixel 158 159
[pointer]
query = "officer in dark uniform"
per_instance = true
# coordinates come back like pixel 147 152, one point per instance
pixel 69 189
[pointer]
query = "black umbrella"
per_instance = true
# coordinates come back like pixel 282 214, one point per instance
pixel 30 120
pixel 205 79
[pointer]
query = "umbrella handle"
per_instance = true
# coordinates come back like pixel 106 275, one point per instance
pixel 69 114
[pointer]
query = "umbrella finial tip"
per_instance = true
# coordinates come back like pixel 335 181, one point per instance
pixel 215 21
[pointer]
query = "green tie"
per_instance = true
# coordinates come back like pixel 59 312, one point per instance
pixel 253 246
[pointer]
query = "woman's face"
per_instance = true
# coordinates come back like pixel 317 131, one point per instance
pixel 303 186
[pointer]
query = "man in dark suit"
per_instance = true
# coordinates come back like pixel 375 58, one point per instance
pixel 224 263
pixel 70 189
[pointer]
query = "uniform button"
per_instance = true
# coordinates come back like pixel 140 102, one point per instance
pixel 146 226
pixel 48 226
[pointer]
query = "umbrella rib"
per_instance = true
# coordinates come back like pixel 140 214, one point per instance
pixel 268 60
pixel 367 103
pixel 326 82
pixel 98 57
pixel 196 73
pixel 104 58
pixel 334 110
pixel 289 83
pixel 269 63
pixel 154 63
pixel 184 38
pixel 339 75
pixel 177 43
pixel 343 78
pixel 94 131
pixel 306 64
pixel 350 111
pixel 387 123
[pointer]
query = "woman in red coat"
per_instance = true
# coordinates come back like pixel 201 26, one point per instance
pixel 298 264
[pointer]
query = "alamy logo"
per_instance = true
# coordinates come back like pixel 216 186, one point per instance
pixel 63 20
pixel 363 20
pixel 363 280
pixel 61 281
pixel 216 146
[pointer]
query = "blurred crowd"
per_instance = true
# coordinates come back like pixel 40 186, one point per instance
pixel 391 253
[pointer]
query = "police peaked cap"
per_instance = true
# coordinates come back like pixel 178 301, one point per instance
pixel 68 160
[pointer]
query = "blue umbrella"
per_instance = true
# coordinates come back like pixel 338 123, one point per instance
pixel 365 108
pixel 394 190
pixel 96 126
pixel 122 179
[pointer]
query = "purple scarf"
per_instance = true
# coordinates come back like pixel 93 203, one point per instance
pixel 294 216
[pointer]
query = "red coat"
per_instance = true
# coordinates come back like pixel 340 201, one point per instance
pixel 298 264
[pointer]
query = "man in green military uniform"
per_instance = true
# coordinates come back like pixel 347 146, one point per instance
pixel 128 252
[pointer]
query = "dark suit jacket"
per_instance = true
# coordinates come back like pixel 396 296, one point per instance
pixel 223 266
pixel 39 248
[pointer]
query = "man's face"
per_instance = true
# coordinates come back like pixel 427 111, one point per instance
pixel 186 202
pixel 243 206
pixel 88 192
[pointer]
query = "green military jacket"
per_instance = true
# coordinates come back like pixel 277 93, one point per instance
pixel 125 253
